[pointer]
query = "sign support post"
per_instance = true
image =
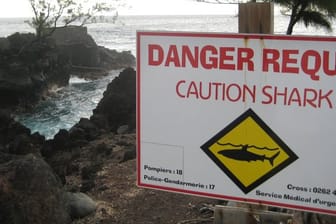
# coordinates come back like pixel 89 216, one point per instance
pixel 253 18
pixel 256 17
pixel 229 215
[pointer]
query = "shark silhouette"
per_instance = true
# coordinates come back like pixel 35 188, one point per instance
pixel 244 155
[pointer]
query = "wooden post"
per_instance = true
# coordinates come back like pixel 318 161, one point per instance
pixel 236 215
pixel 256 17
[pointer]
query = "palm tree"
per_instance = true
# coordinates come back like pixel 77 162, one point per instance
pixel 317 13
pixel 311 12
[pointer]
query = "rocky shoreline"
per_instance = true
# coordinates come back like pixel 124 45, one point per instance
pixel 34 171
pixel 29 68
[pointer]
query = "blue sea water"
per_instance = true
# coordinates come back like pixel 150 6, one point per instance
pixel 64 107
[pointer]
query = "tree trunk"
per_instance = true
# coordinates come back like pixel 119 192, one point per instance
pixel 290 27
pixel 293 19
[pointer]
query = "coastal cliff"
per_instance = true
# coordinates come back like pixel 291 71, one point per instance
pixel 34 172
pixel 30 68
pixel 88 59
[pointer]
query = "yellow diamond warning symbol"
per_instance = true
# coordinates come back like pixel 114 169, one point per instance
pixel 248 151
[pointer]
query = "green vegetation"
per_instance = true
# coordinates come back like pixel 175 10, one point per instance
pixel 318 13
pixel 49 14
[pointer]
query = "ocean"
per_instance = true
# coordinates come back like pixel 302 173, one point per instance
pixel 64 108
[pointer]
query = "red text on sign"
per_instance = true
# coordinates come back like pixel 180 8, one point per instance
pixel 208 57
pixel 232 92
pixel 286 61
pixel 311 62
pixel 306 97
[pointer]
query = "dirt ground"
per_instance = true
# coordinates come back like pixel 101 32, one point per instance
pixel 123 202
pixel 120 200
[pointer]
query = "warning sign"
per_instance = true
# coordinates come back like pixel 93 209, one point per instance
pixel 248 151
pixel 238 117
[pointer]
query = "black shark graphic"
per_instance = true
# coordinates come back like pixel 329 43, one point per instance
pixel 244 155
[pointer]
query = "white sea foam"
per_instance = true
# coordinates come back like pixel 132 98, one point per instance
pixel 75 79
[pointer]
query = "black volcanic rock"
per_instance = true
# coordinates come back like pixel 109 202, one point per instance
pixel 17 139
pixel 28 68
pixel 90 130
pixel 31 186
pixel 30 193
pixel 78 45
pixel 33 170
pixel 118 105
pixel 88 59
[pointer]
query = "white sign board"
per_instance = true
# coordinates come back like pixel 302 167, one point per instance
pixel 240 117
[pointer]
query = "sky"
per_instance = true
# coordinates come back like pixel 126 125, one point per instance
pixel 21 8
